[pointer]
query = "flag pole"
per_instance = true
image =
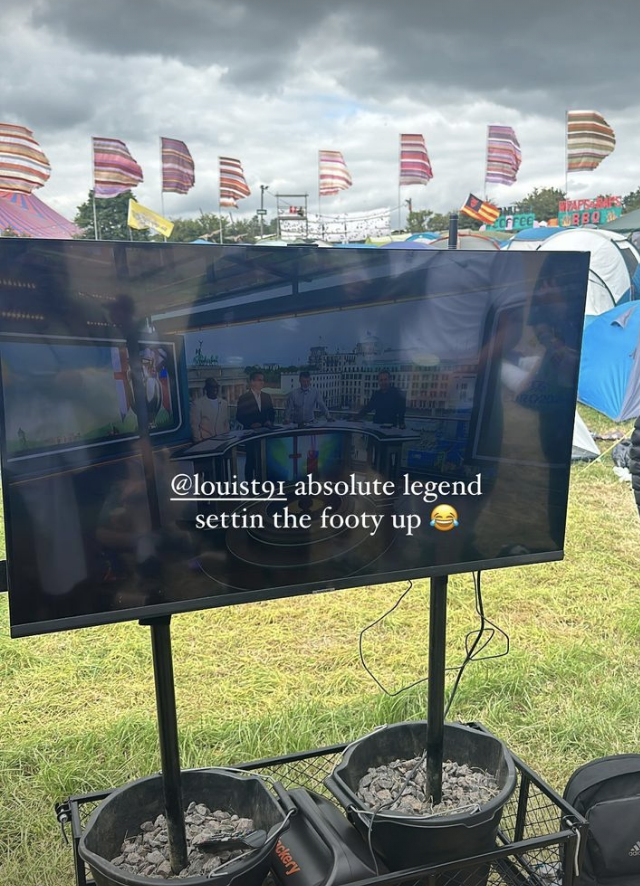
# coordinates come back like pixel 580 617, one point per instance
pixel 320 232
pixel 566 155
pixel 399 181
pixel 161 179
pixel 220 199
pixel 95 216
pixel 486 163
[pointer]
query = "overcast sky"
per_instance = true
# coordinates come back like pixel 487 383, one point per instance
pixel 273 82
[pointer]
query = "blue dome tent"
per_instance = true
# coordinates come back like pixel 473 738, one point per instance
pixel 610 363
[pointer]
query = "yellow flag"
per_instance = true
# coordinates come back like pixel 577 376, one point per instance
pixel 142 218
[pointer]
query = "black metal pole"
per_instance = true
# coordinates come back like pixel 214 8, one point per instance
pixel 453 231
pixel 168 736
pixel 435 700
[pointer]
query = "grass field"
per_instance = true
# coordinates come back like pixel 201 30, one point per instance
pixel 77 709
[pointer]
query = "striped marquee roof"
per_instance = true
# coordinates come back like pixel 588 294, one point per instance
pixel 26 214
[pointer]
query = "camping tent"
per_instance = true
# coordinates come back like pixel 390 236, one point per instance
pixel 610 364
pixel 530 238
pixel 27 215
pixel 466 240
pixel 614 268
pixel 584 447
pixel 625 224
pixel 423 235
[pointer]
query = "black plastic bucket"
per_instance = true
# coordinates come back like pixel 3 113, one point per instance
pixel 124 810
pixel 411 841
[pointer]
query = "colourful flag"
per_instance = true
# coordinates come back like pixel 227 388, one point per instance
pixel 233 185
pixel 415 167
pixel 141 218
pixel 178 171
pixel 333 173
pixel 114 169
pixel 23 166
pixel 480 210
pixel 589 140
pixel 503 155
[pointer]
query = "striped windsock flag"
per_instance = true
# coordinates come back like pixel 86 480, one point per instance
pixel 178 171
pixel 480 210
pixel 233 185
pixel 333 175
pixel 23 166
pixel 589 140
pixel 503 155
pixel 415 166
pixel 114 169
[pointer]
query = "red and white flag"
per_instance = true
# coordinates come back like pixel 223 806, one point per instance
pixel 233 185
pixel 415 166
pixel 333 174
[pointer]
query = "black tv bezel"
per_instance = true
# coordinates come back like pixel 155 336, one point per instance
pixel 239 597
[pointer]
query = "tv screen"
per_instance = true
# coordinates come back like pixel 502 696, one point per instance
pixel 187 426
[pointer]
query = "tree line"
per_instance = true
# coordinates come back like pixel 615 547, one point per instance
pixel 111 218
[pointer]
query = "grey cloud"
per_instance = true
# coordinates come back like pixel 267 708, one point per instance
pixel 255 44
pixel 576 53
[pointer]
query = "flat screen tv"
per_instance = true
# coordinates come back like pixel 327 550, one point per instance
pixel 188 426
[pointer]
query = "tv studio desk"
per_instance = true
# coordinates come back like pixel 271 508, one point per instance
pixel 217 456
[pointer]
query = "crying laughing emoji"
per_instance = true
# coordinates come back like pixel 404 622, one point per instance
pixel 444 518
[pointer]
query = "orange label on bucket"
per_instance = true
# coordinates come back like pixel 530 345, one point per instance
pixel 283 853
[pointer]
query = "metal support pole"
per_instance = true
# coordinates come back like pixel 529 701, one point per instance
pixel 435 700
pixel 453 231
pixel 263 188
pixel 168 738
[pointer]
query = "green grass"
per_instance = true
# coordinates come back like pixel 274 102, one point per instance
pixel 77 709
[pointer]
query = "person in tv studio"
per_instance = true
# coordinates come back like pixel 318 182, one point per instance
pixel 209 413
pixel 387 403
pixel 302 403
pixel 254 411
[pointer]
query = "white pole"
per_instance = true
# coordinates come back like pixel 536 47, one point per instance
pixel 566 155
pixel 95 217
pixel 399 185
pixel 486 163
pixel 161 180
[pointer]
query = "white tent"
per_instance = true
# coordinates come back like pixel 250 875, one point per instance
pixel 614 267
pixel 584 446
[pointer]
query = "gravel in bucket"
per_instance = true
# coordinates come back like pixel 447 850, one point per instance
pixel 147 853
pixel 401 786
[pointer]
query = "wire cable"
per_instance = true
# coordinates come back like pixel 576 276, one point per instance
pixel 473 648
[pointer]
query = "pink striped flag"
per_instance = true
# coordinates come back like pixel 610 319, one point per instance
pixel 178 171
pixel 233 185
pixel 114 169
pixel 503 155
pixel 23 166
pixel 415 166
pixel 333 173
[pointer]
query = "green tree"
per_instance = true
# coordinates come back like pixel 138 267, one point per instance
pixel 111 216
pixel 543 202
pixel 439 221
pixel 206 227
pixel 631 201
pixel 11 232
pixel 418 220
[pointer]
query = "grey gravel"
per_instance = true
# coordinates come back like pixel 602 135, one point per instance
pixel 464 789
pixel 147 853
